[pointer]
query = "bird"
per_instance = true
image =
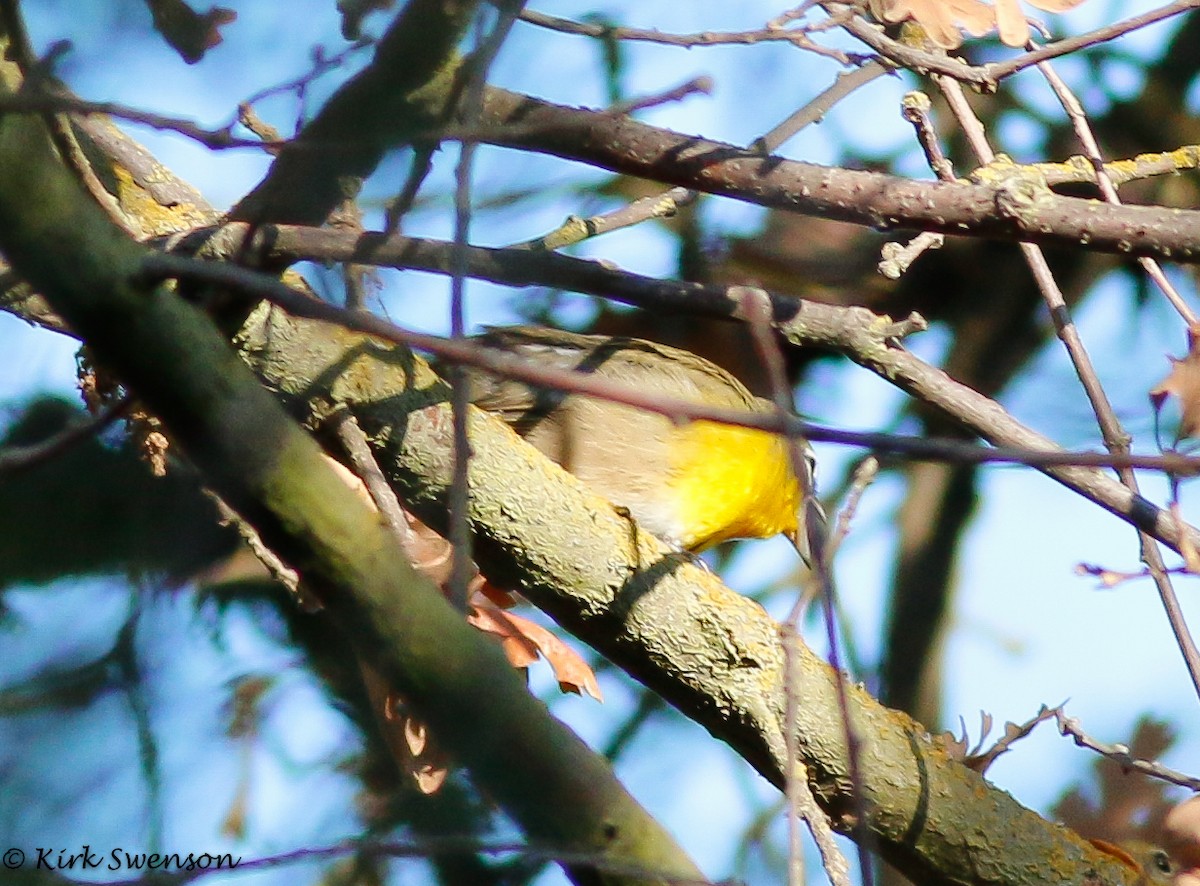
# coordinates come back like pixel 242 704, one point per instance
pixel 693 484
pixel 1154 865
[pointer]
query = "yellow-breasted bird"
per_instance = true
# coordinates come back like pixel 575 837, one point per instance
pixel 693 484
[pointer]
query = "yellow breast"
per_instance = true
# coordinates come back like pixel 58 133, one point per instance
pixel 729 482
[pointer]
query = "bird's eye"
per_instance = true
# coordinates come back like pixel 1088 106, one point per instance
pixel 1161 861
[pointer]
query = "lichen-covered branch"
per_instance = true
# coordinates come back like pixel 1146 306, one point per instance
pixel 262 463
pixel 714 654
pixel 856 332
pixel 1017 206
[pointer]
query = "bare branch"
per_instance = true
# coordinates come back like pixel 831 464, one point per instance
pixel 1015 209
pixel 19 458
pixel 1001 70
pixel 797 37
pixel 1108 188
pixel 576 230
pixel 1115 437
pixel 1120 755
pixel 856 329
pixel 215 139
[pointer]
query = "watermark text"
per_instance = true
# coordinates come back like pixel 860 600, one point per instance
pixel 85 858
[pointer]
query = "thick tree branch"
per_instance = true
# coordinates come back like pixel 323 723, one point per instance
pixel 1010 207
pixel 273 473
pixel 712 653
pixel 327 162
pixel 410 86
pixel 856 332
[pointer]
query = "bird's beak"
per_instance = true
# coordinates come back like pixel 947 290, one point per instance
pixel 799 539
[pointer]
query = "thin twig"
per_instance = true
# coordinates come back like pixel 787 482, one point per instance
pixel 802 803
pixel 864 476
pixel 1091 149
pixel 263 286
pixel 249 119
pixel 1116 439
pixel 20 458
pixel 791 15
pixel 425 848
pixel 666 204
pixel 460 526
pixel 39 82
pixel 216 139
pixel 358 450
pixel 702 85
pixel 817 107
pixel 915 108
pixel 989 76
pixel 277 569
pixel 1106 34
pixel 1119 754
pixel 895 258
pixel 418 171
pixel 756 311
pixel 797 37
pixel 913 59
pixel 321 64
pixel 575 229
pixel 980 758
pixel 1110 578
pixel 1151 554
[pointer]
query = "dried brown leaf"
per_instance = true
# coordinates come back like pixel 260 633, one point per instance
pixel 944 20
pixel 1183 383
pixel 520 650
pixel 415 750
pixel 413 747
pixel 189 33
pixel 500 597
pixel 1054 5
pixel 416 735
pixel 244 707
pixel 980 760
pixel 423 761
pixel 233 825
pixel 429 779
pixel 1010 22
pixel 941 19
pixel 522 640
pixel 955 747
